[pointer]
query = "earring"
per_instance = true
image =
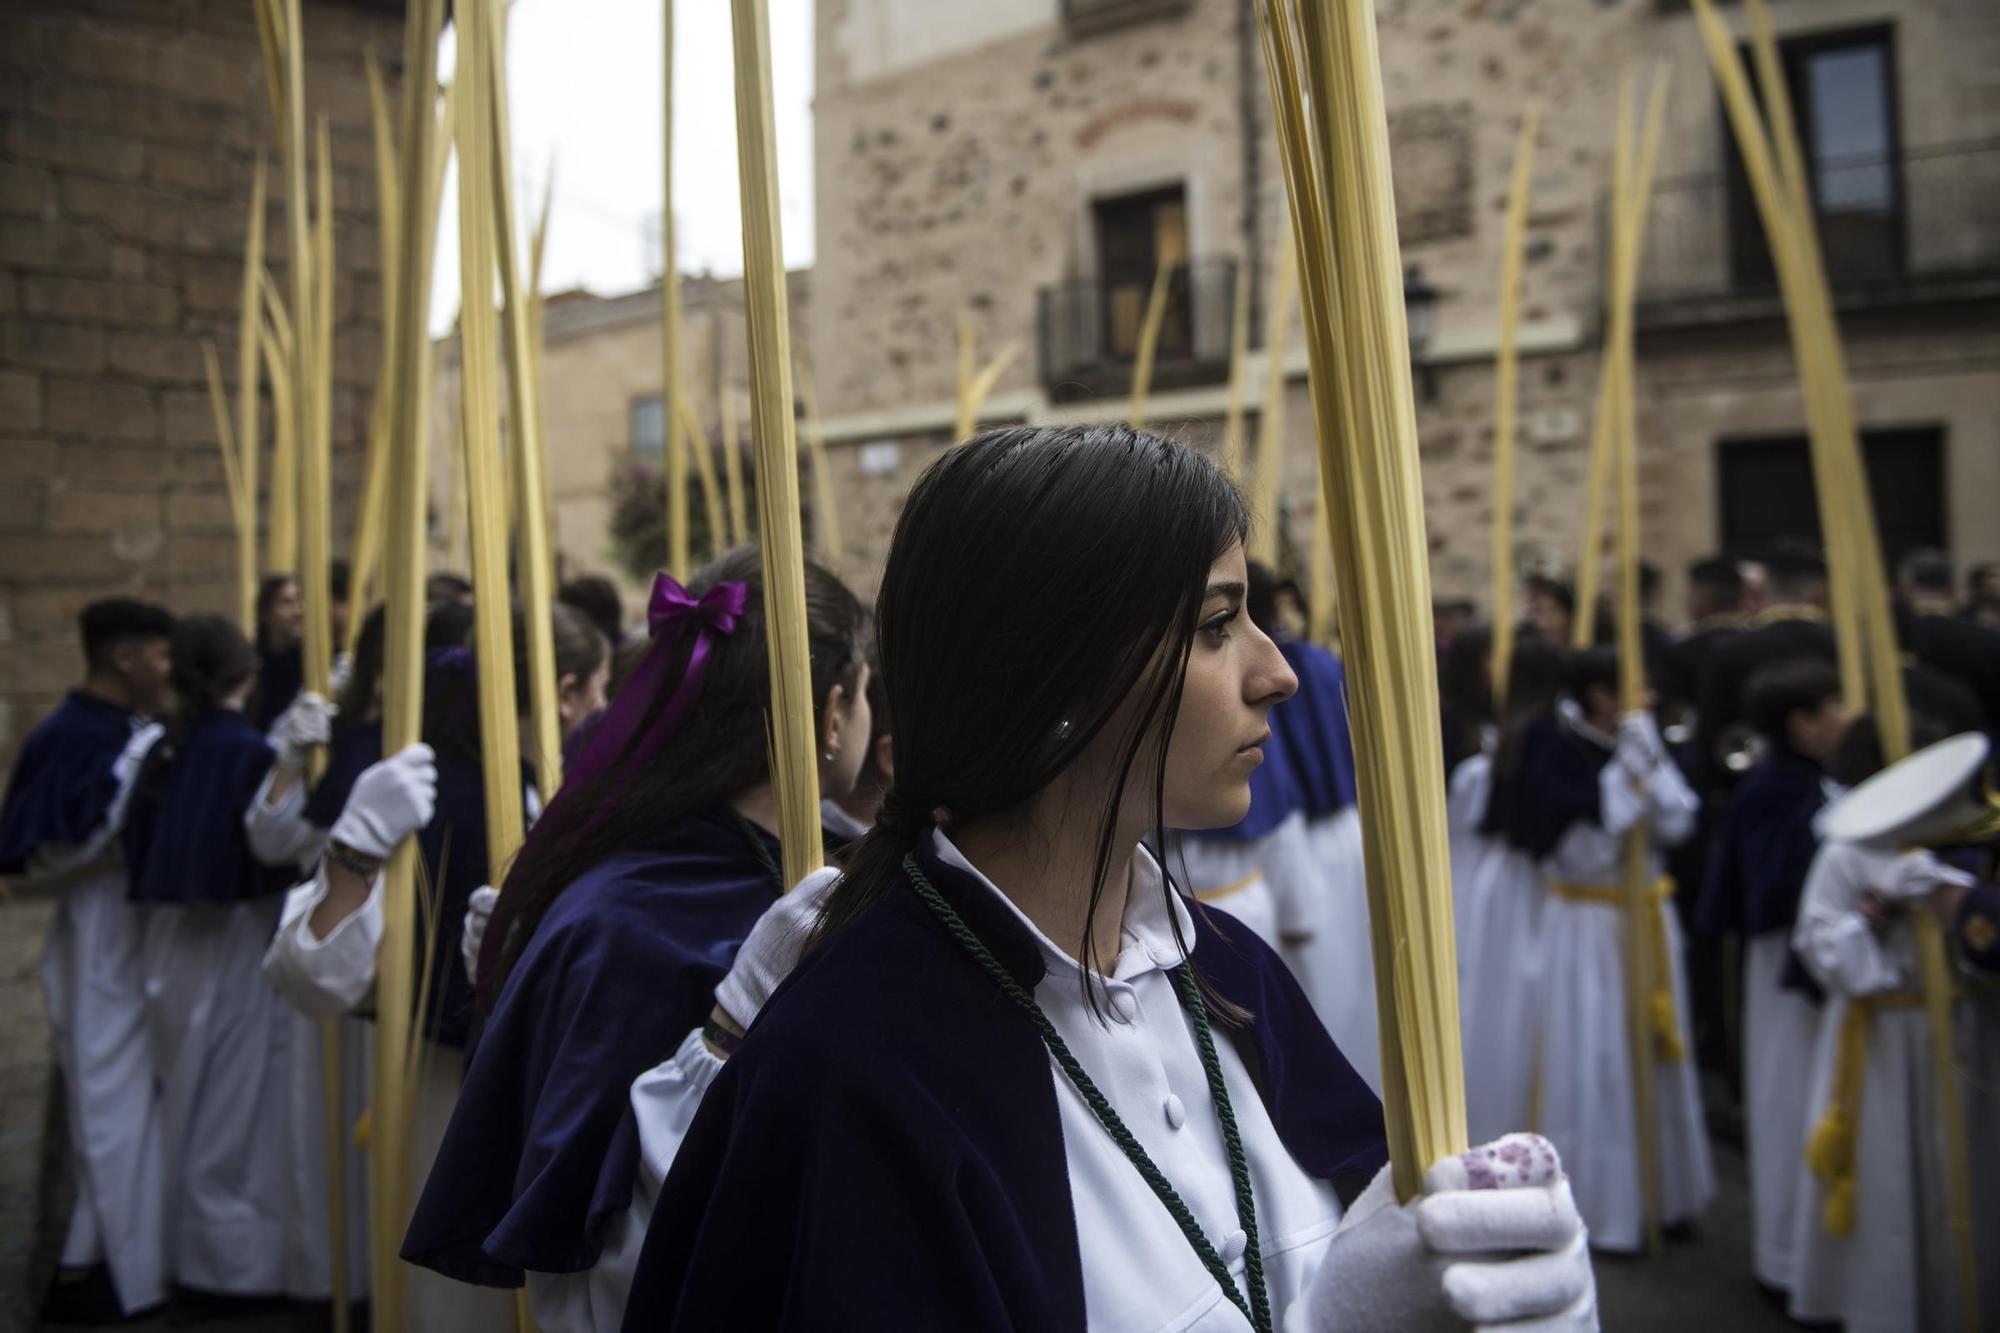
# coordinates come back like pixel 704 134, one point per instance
pixel 829 756
pixel 1062 730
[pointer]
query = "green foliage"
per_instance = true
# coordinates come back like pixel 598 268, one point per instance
pixel 638 533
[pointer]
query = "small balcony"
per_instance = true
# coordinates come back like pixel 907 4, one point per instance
pixel 1909 229
pixel 1087 332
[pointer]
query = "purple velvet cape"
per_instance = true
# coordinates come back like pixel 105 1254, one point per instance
pixel 62 785
pixel 1312 726
pixel 624 965
pixel 886 1152
pixel 184 839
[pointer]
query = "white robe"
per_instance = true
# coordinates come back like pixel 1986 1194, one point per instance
pixel 1228 874
pixel 1331 953
pixel 309 1258
pixel 1500 899
pixel 1779 1030
pixel 1896 1271
pixel 1586 1097
pixel 1302 887
pixel 93 987
pixel 328 977
pixel 222 1048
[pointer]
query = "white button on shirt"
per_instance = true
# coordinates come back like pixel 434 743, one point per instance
pixel 1139 1272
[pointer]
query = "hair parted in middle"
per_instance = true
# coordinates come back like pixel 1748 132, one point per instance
pixel 1038 579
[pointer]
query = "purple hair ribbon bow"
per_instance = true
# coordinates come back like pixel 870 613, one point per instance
pixel 672 613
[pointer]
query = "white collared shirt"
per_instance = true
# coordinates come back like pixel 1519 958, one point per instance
pixel 1139 1272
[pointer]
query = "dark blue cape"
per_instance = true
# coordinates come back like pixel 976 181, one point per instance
pixel 184 840
pixel 62 785
pixel 1978 927
pixel 1757 865
pixel 1552 787
pixel 623 967
pixel 453 846
pixel 281 674
pixel 1312 726
pixel 885 1151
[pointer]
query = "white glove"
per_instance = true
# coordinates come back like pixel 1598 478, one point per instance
pixel 341 672
pixel 1496 1242
pixel 1640 749
pixel 772 949
pixel 391 800
pixel 307 722
pixel 1917 874
pixel 478 911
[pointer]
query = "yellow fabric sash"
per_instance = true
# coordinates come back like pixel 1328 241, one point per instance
pixel 1831 1149
pixel 1834 1145
pixel 1667 1043
pixel 1218 894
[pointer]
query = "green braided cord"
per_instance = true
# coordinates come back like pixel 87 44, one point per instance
pixel 1239 1162
pixel 1258 1310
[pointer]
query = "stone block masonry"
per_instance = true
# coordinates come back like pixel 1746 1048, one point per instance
pixel 129 134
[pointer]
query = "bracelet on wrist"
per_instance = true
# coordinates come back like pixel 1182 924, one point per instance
pixel 367 867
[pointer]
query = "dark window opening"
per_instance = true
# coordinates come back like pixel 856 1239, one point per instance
pixel 1765 493
pixel 1137 234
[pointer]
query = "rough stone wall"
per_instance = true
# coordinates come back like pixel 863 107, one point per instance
pixel 128 134
pixel 965 181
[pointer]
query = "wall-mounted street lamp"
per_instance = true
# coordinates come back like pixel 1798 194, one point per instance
pixel 1420 302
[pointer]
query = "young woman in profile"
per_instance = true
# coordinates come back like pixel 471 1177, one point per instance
pixel 1020 1081
pixel 611 930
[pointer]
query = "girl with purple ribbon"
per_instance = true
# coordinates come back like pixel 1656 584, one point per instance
pixel 618 918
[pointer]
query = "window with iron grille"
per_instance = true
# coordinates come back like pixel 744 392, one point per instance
pixel 1137 235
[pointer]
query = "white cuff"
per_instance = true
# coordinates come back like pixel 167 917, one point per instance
pixel 281 834
pixel 1674 805
pixel 664 1099
pixel 330 976
pixel 1844 954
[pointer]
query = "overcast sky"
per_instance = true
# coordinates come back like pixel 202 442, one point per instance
pixel 584 82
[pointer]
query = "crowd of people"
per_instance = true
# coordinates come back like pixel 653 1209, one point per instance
pixel 1078 1026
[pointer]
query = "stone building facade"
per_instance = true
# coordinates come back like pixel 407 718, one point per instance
pixel 601 376
pixel 129 131
pixel 991 157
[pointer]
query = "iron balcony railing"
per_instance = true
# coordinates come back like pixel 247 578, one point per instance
pixel 1890 228
pixel 1087 331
